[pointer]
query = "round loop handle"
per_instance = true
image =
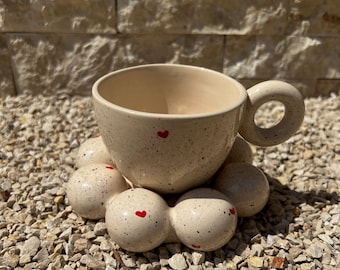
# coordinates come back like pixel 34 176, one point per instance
pixel 262 93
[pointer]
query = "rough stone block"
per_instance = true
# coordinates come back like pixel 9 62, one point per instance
pixel 6 78
pixel 203 16
pixel 197 50
pixel 314 18
pixel 49 63
pixel 288 57
pixel 62 16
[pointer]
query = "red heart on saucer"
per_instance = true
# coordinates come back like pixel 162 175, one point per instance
pixel 141 214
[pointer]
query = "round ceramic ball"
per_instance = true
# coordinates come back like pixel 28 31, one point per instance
pixel 91 186
pixel 137 219
pixel 245 185
pixel 240 151
pixel 204 219
pixel 92 151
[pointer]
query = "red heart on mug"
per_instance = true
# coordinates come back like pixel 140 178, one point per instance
pixel 163 134
pixel 141 214
pixel 232 211
pixel 196 246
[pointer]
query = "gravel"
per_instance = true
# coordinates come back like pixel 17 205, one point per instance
pixel 39 138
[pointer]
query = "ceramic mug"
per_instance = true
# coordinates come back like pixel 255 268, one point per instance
pixel 170 127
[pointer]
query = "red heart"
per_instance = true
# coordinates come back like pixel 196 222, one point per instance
pixel 196 246
pixel 109 167
pixel 163 134
pixel 232 211
pixel 141 214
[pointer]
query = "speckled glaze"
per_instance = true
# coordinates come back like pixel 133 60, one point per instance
pixel 245 185
pixel 93 150
pixel 264 92
pixel 170 127
pixel 89 188
pixel 204 219
pixel 138 219
pixel 240 152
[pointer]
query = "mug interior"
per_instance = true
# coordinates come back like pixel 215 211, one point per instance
pixel 170 89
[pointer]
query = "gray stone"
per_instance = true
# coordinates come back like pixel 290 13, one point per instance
pixel 74 237
pixel 237 259
pixel 256 250
pixel 294 252
pixel 307 266
pixel 41 255
pixel 129 261
pixel 42 264
pixel 325 238
pixel 300 258
pixel 105 245
pixel 198 257
pixel 30 246
pixel 24 259
pixel 177 261
pixel 100 229
pixel 89 235
pixel 66 233
pixel 282 243
pixel 91 262
pixel 147 266
pixel 81 244
pixel 10 259
pixel 255 262
pixel 315 251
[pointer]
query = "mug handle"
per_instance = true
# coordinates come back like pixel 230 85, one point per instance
pixel 264 92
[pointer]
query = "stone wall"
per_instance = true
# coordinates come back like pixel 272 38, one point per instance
pixel 49 46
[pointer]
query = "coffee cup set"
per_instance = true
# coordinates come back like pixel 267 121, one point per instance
pixel 172 162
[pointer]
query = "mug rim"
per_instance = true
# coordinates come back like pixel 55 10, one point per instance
pixel 99 98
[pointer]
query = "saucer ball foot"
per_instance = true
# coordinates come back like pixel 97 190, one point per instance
pixel 245 185
pixel 137 219
pixel 240 152
pixel 90 187
pixel 93 150
pixel 204 219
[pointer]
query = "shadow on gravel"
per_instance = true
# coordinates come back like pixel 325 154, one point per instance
pixel 286 211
